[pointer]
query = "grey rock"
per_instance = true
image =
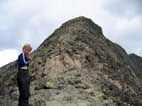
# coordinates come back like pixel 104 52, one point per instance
pixel 137 61
pixel 77 66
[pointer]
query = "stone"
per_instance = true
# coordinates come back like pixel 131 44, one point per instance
pixel 77 66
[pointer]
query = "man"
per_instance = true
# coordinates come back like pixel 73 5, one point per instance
pixel 23 77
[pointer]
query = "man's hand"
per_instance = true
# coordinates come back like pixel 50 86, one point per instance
pixel 30 58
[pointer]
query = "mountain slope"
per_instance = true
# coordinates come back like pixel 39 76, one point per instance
pixel 77 66
pixel 137 61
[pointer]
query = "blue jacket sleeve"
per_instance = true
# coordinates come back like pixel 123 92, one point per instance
pixel 23 60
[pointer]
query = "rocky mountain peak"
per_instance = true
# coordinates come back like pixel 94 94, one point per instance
pixel 77 66
pixel 75 29
pixel 82 24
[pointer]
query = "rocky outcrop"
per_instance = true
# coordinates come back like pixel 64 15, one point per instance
pixel 137 61
pixel 77 66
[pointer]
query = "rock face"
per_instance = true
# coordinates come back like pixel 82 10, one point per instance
pixel 77 66
pixel 137 61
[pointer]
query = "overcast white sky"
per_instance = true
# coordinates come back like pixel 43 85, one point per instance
pixel 31 21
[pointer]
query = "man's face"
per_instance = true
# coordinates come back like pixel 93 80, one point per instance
pixel 27 50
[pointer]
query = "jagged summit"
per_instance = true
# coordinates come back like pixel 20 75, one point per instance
pixel 77 66
pixel 80 27
pixel 82 23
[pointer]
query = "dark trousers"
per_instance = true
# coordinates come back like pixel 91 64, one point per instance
pixel 23 81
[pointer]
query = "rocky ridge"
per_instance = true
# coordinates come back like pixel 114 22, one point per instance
pixel 77 66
